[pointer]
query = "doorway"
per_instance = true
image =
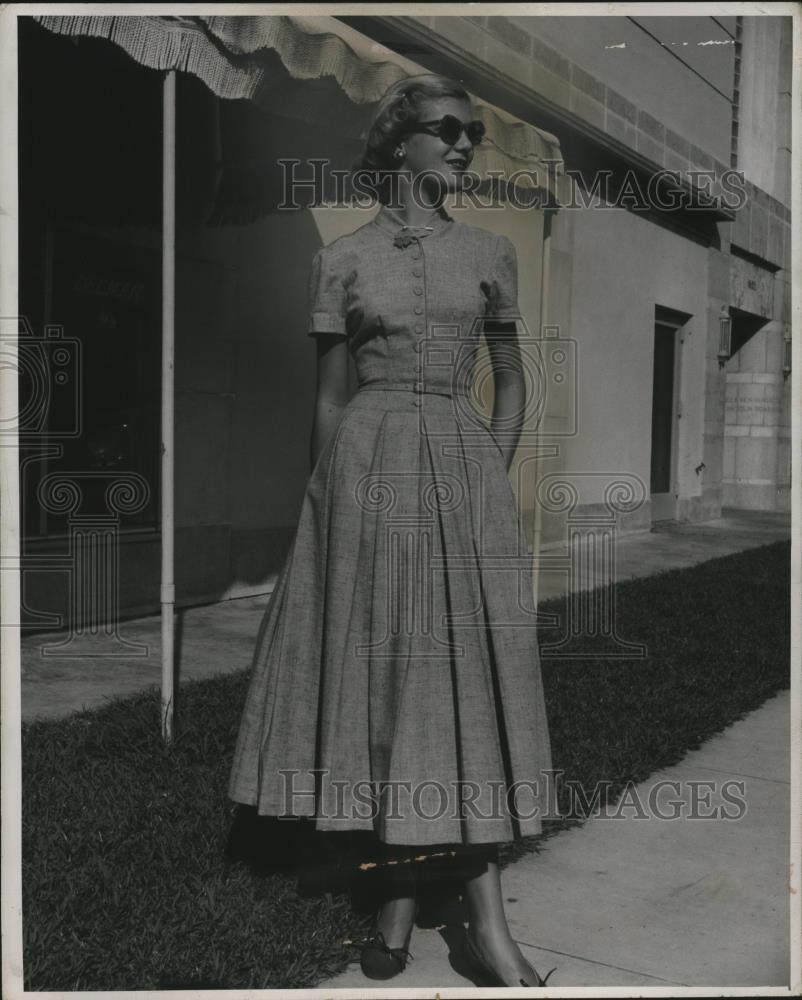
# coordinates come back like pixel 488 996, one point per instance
pixel 665 413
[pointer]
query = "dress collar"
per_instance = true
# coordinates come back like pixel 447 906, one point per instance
pixel 392 223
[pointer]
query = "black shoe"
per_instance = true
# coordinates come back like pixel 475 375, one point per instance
pixel 491 975
pixel 378 960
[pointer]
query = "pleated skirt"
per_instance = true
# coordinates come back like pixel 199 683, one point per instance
pixel 396 683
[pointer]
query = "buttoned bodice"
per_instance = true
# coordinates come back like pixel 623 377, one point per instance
pixel 412 302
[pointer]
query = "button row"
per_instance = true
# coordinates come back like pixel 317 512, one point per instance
pixel 418 290
pixel 417 272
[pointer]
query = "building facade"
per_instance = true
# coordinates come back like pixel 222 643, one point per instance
pixel 660 326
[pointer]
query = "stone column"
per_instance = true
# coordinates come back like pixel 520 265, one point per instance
pixel 756 444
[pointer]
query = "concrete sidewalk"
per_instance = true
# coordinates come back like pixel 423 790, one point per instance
pixel 651 902
pixel 219 638
pixel 618 902
pixel 626 902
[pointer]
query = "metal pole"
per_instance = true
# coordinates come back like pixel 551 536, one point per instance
pixel 168 408
pixel 545 271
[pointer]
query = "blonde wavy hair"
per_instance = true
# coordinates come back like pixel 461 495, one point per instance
pixel 400 106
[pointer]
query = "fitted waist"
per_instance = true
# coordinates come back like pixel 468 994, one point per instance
pixel 415 387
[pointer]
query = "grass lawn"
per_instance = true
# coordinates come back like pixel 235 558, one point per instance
pixel 138 873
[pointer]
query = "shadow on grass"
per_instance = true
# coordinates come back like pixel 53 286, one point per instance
pixel 138 873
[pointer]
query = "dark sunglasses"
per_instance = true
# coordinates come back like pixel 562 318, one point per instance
pixel 449 129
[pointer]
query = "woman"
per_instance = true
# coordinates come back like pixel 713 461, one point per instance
pixel 398 653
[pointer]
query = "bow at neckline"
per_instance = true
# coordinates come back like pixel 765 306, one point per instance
pixel 403 234
pixel 409 234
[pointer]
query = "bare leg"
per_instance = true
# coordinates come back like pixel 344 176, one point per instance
pixel 489 931
pixel 396 912
pixel 395 920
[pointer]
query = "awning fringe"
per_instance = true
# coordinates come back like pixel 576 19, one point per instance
pixel 230 55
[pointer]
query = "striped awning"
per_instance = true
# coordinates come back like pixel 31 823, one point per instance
pixel 282 61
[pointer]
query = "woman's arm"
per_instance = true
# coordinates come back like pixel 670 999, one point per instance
pixel 332 389
pixel 509 404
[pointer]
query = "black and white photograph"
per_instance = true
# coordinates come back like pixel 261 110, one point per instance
pixel 399 484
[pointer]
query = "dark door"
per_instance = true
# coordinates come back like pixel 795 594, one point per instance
pixel 664 420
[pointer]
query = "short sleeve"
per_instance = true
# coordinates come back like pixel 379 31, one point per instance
pixel 502 289
pixel 326 297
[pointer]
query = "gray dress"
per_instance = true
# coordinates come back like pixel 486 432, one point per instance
pixel 396 681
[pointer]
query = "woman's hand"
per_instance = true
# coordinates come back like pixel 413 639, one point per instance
pixel 332 390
